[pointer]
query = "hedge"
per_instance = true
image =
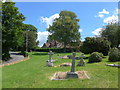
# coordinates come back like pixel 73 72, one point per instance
pixel 57 50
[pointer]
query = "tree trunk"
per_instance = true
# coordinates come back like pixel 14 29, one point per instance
pixel 64 47
pixel 5 54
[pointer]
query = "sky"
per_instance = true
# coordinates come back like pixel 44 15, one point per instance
pixel 93 15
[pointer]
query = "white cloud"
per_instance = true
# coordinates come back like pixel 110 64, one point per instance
pixel 111 19
pixel 49 20
pixel 80 30
pixel 3 1
pixel 103 12
pixel 97 31
pixel 101 15
pixel 42 37
pixel 117 11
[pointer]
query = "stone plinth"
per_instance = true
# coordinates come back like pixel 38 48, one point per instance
pixel 65 64
pixel 71 75
pixel 51 60
pixel 62 75
pixel 49 64
pixel 81 63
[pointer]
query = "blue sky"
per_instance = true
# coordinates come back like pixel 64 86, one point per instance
pixel 92 15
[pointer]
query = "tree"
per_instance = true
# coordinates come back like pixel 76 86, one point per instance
pixel 95 44
pixel 30 36
pixel 118 35
pixel 11 27
pixel 112 33
pixel 65 28
pixel 0 31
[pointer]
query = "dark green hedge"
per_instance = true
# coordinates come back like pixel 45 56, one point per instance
pixel 57 50
pixel 95 44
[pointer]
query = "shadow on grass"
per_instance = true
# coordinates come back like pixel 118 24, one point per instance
pixel 113 61
pixel 40 53
pixel 46 53
pixel 85 57
pixel 92 62
pixel 15 53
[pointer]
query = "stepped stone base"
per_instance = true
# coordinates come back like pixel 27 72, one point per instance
pixel 67 75
pixel 71 75
pixel 49 64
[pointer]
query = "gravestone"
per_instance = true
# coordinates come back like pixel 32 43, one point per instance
pixel 81 62
pixel 72 73
pixel 49 62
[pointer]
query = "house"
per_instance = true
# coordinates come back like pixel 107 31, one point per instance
pixel 52 44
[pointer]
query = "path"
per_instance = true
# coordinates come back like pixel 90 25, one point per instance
pixel 15 57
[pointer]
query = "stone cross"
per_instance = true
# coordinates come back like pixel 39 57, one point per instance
pixel 73 62
pixel 49 62
pixel 72 73
pixel 50 56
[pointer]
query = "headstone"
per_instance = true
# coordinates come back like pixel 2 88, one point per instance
pixel 49 62
pixel 81 62
pixel 50 56
pixel 72 73
pixel 73 62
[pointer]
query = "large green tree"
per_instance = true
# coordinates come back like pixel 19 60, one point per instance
pixel 30 36
pixel 112 33
pixel 95 44
pixel 0 30
pixel 65 28
pixel 118 34
pixel 11 27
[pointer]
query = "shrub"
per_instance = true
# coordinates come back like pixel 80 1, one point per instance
pixel 95 44
pixel 101 55
pixel 114 55
pixel 95 57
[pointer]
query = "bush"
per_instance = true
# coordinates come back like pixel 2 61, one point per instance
pixel 95 44
pixel 95 57
pixel 114 55
pixel 101 55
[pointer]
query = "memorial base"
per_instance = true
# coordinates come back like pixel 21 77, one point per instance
pixel 71 75
pixel 79 64
pixel 49 64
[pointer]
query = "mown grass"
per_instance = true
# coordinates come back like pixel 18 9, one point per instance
pixel 34 73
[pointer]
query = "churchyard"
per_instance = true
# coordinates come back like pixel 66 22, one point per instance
pixel 61 47
pixel 34 73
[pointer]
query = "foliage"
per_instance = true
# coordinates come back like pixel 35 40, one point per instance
pixel 114 55
pixel 11 28
pixel 112 33
pixel 30 36
pixel 57 50
pixel 95 57
pixel 95 44
pixel 65 29
pixel 15 34
pixel 118 35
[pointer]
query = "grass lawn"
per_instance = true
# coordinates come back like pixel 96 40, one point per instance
pixel 34 74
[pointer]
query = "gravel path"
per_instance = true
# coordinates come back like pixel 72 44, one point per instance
pixel 15 57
